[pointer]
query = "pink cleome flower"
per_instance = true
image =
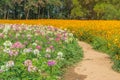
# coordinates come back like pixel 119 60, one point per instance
pixel 28 63
pixel 38 47
pixel 13 53
pixel 10 64
pixel 51 47
pixel 48 50
pixel 17 45
pixel 32 68
pixel 59 35
pixel 1 35
pixel 57 39
pixel 1 71
pixel 51 62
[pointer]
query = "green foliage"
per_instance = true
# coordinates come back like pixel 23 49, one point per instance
pixel 116 65
pixel 106 11
pixel 86 35
pixel 76 12
pixel 100 44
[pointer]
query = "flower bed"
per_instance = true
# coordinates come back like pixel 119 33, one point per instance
pixel 34 52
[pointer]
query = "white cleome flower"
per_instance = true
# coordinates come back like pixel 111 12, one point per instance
pixel 27 50
pixel 36 52
pixel 10 64
pixel 60 58
pixel 7 43
pixel 4 68
pixel 6 50
pixel 48 50
pixel 60 54
pixel 70 34
pixel 34 44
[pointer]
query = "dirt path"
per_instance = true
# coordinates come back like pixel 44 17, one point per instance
pixel 95 66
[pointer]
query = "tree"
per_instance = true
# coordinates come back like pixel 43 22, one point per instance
pixel 106 11
pixel 6 7
pixel 77 11
pixel 40 4
pixel 51 5
pixel 18 9
pixel 28 5
pixel 67 8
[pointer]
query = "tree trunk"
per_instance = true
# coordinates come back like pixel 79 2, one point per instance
pixel 38 12
pixel 7 14
pixel 48 14
pixel 43 13
pixel 27 15
pixel 20 16
pixel 4 15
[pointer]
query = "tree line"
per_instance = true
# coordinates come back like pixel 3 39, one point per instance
pixel 60 9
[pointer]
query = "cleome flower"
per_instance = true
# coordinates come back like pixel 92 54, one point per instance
pixel 38 47
pixel 51 62
pixel 1 71
pixel 28 63
pixel 1 35
pixel 36 52
pixel 17 45
pixel 32 68
pixel 57 39
pixel 47 55
pixel 13 53
pixel 7 43
pixel 60 56
pixel 27 50
pixel 51 47
pixel 6 50
pixel 48 50
pixel 10 64
pixel 3 68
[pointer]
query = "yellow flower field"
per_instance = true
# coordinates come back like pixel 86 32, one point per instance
pixel 107 28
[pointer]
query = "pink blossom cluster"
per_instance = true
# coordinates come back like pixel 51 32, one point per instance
pixel 50 49
pixel 38 47
pixel 30 67
pixel 17 45
pixel 13 53
pixel 1 35
pixel 51 62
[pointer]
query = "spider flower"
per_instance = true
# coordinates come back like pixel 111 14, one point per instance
pixel 13 53
pixel 17 45
pixel 7 43
pixel 32 68
pixel 38 47
pixel 51 62
pixel 28 63
pixel 10 64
